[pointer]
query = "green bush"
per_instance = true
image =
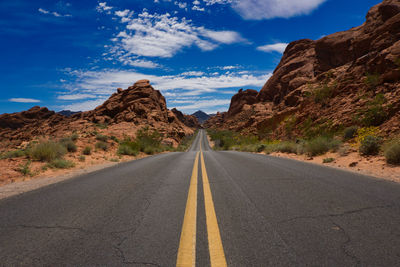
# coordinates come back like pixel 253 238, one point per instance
pixel 114 160
pixel 127 149
pixel 13 154
pixel 69 144
pixel 370 145
pixel 350 132
pixel 392 152
pixel 320 146
pixel 114 138
pixel 61 164
pixel 25 169
pixel 74 137
pixel 82 158
pixel 372 80
pixel 101 137
pixel 102 145
pixel 286 147
pixel 323 94
pixel 47 151
pixel 148 140
pixel 328 160
pixel 87 150
pixel 374 114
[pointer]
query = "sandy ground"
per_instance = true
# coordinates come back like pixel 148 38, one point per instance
pixel 373 166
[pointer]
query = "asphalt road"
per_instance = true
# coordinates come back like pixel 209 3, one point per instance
pixel 232 208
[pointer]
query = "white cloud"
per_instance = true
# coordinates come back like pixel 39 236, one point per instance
pixel 268 9
pixel 141 63
pixel 75 96
pixel 155 35
pixel 102 6
pixel 279 47
pixel 192 73
pixel 54 13
pixel 182 5
pixel 23 100
pixel 213 2
pixel 84 106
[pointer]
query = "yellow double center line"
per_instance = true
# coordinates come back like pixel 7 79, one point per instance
pixel 187 244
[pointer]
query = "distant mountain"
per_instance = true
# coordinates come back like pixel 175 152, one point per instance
pixel 201 116
pixel 68 113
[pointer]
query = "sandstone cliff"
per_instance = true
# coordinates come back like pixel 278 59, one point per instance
pixel 346 78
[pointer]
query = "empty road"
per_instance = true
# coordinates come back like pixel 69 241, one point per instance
pixel 205 208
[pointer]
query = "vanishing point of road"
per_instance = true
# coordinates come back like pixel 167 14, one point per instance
pixel 205 208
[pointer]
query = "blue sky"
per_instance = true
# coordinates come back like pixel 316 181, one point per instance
pixel 73 54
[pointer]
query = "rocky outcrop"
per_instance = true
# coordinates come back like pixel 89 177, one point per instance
pixel 334 80
pixel 122 114
pixel 247 97
pixel 188 120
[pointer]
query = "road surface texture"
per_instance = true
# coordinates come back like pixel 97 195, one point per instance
pixel 205 208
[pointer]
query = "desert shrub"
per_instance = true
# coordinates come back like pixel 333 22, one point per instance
pixel 371 80
pixel 328 160
pixel 13 154
pixel 260 148
pixel 350 132
pixel 127 149
pixel 61 164
pixel 375 114
pixel 114 138
pixel 69 144
pixel 186 142
pixel 102 145
pixel 25 169
pixel 370 145
pixel 87 150
pixel 392 152
pixel 114 160
pixel 286 147
pixel 82 158
pixel 320 146
pixel 74 137
pixel 362 133
pixel 101 137
pixel 323 94
pixel 47 151
pixel 147 139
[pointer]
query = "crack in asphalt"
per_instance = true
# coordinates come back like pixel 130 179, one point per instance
pixel 59 227
pixel 335 214
pixel 345 243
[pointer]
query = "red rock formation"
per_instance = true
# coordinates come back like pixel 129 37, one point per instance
pixel 188 120
pixel 124 112
pixel 353 66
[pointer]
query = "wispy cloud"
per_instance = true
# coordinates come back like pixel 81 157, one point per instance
pixel 75 96
pixel 23 100
pixel 53 13
pixel 268 9
pixel 279 47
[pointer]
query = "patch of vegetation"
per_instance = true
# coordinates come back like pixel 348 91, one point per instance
pixel 328 160
pixel 101 137
pixel 102 145
pixel 323 94
pixel 82 158
pixel 115 139
pixel 13 154
pixel 47 151
pixel 102 125
pixel 149 141
pixel 26 169
pixel 320 146
pixel 284 147
pixel 128 148
pixel 87 150
pixel 74 137
pixel 289 125
pixel 392 152
pixel 114 160
pixel 374 114
pixel 362 133
pixel 372 80
pixel 370 145
pixel 60 164
pixel 350 133
pixel 69 144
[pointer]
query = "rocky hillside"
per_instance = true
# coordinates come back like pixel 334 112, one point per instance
pixel 121 115
pixel 346 78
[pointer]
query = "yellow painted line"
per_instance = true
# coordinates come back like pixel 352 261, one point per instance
pixel 187 244
pixel 216 250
